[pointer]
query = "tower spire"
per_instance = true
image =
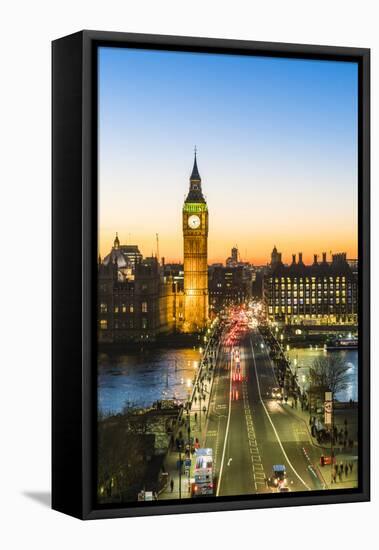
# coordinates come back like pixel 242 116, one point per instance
pixel 195 176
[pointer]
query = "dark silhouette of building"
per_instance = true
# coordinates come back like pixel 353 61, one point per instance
pixel 229 285
pixel 232 261
pixel 323 293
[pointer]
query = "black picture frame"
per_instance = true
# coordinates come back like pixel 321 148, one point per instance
pixel 74 253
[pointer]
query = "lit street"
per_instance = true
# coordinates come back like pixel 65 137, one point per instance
pixel 250 432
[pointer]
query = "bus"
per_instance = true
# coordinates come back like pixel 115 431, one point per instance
pixel 203 474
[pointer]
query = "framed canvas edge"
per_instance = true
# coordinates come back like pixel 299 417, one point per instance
pixel 92 39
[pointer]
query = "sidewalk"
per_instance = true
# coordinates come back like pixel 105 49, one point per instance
pixel 345 449
pixel 343 455
pixel 196 420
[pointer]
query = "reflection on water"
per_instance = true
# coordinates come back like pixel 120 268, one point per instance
pixel 138 379
pixel 304 358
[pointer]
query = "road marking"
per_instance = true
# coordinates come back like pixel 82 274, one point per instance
pixel 226 434
pixel 255 457
pixel 271 422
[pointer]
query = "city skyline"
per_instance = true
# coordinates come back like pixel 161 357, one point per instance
pixel 307 257
pixel 198 394
pixel 278 133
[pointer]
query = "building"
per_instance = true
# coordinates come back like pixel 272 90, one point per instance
pixel 324 293
pixel 128 256
pixel 229 286
pixel 257 282
pixel 232 261
pixel 140 299
pixel 195 255
pixel 136 304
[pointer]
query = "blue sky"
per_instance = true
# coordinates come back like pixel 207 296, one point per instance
pixel 277 151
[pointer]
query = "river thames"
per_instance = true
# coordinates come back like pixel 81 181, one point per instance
pixel 138 379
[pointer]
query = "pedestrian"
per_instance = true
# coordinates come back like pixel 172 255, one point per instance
pixel 195 416
pixel 346 470
pixel 341 467
pixel 172 485
pixel 351 467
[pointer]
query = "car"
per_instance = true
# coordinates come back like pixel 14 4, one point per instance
pixel 276 393
pixel 279 476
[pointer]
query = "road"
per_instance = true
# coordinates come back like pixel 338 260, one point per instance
pixel 249 431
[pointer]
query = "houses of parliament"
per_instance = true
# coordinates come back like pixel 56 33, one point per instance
pixel 141 298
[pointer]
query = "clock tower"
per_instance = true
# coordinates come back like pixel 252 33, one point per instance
pixel 195 245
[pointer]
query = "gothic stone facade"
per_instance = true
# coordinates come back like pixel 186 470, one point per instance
pixel 195 248
pixel 137 308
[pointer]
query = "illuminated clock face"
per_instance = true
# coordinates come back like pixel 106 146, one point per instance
pixel 194 222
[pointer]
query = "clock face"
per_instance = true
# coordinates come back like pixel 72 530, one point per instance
pixel 194 222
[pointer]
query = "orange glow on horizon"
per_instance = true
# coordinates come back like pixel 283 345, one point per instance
pixel 171 247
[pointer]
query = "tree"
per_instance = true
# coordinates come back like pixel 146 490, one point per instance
pixel 121 459
pixel 329 373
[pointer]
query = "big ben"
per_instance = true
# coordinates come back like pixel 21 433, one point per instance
pixel 195 245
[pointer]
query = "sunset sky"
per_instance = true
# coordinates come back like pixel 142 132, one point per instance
pixel 277 152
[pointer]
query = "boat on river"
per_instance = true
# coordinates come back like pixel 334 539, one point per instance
pixel 338 344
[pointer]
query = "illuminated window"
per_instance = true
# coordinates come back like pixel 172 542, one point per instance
pixel 123 308
pixel 103 324
pixel 144 307
pixel 131 308
pixel 103 308
pixel 116 308
pixel 144 323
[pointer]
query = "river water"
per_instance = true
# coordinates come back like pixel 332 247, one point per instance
pixel 304 357
pixel 138 379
